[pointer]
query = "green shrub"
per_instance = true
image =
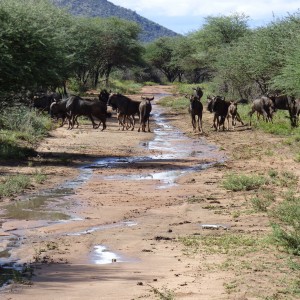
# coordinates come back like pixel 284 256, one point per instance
pixel 177 103
pixel 260 204
pixel 286 223
pixel 13 184
pixel 21 128
pixel 234 182
pixel 125 86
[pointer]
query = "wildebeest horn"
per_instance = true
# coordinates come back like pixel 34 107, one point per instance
pixel 146 98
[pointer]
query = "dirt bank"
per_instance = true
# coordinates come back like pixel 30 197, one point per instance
pixel 151 231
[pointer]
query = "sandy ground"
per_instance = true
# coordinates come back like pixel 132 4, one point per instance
pixel 144 225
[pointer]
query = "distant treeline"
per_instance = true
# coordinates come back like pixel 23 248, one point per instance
pixel 43 47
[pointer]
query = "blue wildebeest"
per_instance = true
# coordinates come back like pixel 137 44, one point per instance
pixel 42 101
pixel 145 108
pixel 196 110
pixel 76 106
pixel 126 108
pixel 284 102
pixel 218 106
pixel 198 92
pixel 262 106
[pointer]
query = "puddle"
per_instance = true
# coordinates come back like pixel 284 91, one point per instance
pixel 171 155
pixel 174 153
pixel 102 256
pixel 103 227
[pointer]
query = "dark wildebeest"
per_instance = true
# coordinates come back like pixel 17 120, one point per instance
pixel 297 109
pixel 284 102
pixel 126 107
pixel 219 107
pixel 77 106
pixel 104 95
pixel 42 101
pixel 145 108
pixel 262 106
pixel 58 109
pixel 196 110
pixel 198 92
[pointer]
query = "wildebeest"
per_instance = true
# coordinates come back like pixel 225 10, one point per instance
pixel 58 109
pixel 196 110
pixel 284 102
pixel 126 107
pixel 104 95
pixel 233 114
pixel 262 106
pixel 297 109
pixel 145 108
pixel 219 107
pixel 77 106
pixel 42 101
pixel 198 92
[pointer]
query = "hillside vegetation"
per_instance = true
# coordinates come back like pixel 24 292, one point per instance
pixel 106 9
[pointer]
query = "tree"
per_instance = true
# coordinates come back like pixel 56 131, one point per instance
pixel 32 52
pixel 160 54
pixel 215 35
pixel 101 45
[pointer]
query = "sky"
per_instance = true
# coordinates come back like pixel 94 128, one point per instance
pixel 189 15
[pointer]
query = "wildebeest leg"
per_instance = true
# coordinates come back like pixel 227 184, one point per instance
pixel 132 122
pixel 148 121
pixel 216 122
pixel 193 122
pixel 103 121
pixel 141 125
pixel 93 122
pixel 238 118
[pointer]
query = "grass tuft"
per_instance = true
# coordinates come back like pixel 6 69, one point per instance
pixel 243 182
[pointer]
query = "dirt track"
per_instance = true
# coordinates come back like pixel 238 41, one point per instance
pixel 143 223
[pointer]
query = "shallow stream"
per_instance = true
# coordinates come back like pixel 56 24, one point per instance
pixel 169 147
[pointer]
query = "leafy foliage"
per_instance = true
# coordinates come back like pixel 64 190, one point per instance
pixel 31 45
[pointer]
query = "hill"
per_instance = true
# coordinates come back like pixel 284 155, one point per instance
pixel 105 9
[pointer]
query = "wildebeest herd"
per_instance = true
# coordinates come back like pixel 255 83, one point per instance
pixel 69 109
pixel 223 110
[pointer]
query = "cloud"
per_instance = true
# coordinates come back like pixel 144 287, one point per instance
pixel 260 12
pixel 210 7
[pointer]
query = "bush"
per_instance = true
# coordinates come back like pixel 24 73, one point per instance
pixel 21 128
pixel 234 182
pixel 286 224
pixel 14 184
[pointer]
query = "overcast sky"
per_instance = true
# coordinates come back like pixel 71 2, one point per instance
pixel 188 15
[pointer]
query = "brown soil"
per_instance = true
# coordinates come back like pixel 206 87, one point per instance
pixel 157 265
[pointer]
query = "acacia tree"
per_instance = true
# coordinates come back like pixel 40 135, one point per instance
pixel 266 59
pixel 216 34
pixel 120 46
pixel 161 55
pixel 32 52
pixel 101 45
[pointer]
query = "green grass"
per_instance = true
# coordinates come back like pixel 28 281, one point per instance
pixel 8 274
pixel 285 219
pixel 21 129
pixel 176 103
pixel 15 184
pixel 243 182
pixel 222 243
pixel 125 86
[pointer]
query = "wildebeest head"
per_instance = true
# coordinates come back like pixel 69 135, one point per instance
pixel 104 95
pixel 198 92
pixel 147 98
